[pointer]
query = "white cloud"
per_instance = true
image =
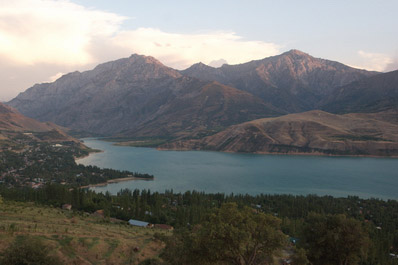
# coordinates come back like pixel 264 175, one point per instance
pixel 55 77
pixel 58 32
pixel 374 61
pixel 218 63
pixel 61 36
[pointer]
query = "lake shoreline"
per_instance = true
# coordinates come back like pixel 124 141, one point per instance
pixel 223 172
pixel 95 151
pixel 103 184
pixel 315 154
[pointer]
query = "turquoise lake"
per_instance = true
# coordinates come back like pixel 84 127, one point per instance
pixel 248 173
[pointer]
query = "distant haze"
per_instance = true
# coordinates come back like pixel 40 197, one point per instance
pixel 218 63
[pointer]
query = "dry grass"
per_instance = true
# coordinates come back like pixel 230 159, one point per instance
pixel 77 238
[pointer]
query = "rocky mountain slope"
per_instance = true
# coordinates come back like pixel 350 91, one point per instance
pixel 13 123
pixel 137 95
pixel 202 109
pixel 313 132
pixel 373 94
pixel 293 81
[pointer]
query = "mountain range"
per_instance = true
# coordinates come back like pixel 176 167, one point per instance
pixel 126 97
pixel 293 81
pixel 139 97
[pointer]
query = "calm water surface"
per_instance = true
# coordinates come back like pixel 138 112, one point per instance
pixel 248 173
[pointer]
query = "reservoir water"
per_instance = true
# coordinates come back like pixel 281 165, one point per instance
pixel 248 173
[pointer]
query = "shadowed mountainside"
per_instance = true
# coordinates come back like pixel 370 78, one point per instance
pixel 373 94
pixel 293 81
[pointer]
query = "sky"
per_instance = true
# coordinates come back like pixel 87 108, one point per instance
pixel 40 40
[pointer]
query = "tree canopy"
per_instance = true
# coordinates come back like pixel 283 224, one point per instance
pixel 28 250
pixel 335 240
pixel 229 235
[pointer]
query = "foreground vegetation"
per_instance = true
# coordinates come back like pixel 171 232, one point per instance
pixel 368 228
pixel 72 237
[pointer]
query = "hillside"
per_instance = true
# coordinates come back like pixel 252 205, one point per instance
pixel 126 96
pixel 77 238
pixel 373 94
pixel 13 124
pixel 203 110
pixel 293 81
pixel 11 120
pixel 314 132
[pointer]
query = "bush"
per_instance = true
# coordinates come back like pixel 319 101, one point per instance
pixel 152 261
pixel 28 250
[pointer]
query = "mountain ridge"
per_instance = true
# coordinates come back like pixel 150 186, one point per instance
pixel 294 81
pixel 118 97
pixel 139 97
pixel 314 132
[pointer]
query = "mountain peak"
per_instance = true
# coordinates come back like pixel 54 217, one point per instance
pixel 137 67
pixel 295 52
pixel 144 59
pixel 201 65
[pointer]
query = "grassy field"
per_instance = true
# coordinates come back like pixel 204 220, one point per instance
pixel 77 238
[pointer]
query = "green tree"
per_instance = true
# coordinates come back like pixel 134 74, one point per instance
pixel 27 251
pixel 300 257
pixel 335 240
pixel 229 236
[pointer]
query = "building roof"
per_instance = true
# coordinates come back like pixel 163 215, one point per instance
pixel 138 223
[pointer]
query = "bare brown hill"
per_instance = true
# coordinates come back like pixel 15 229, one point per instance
pixel 313 132
pixel 11 122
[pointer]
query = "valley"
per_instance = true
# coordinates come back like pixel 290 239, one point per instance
pixel 198 132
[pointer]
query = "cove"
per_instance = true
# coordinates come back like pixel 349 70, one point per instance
pixel 213 172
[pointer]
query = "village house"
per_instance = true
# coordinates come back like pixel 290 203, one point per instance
pixel 139 223
pixel 67 207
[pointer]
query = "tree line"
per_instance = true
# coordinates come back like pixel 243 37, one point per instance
pixel 368 226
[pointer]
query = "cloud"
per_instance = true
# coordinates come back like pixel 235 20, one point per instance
pixel 57 32
pixel 55 77
pixel 393 65
pixel 182 50
pixel 374 61
pixel 60 36
pixel 218 63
